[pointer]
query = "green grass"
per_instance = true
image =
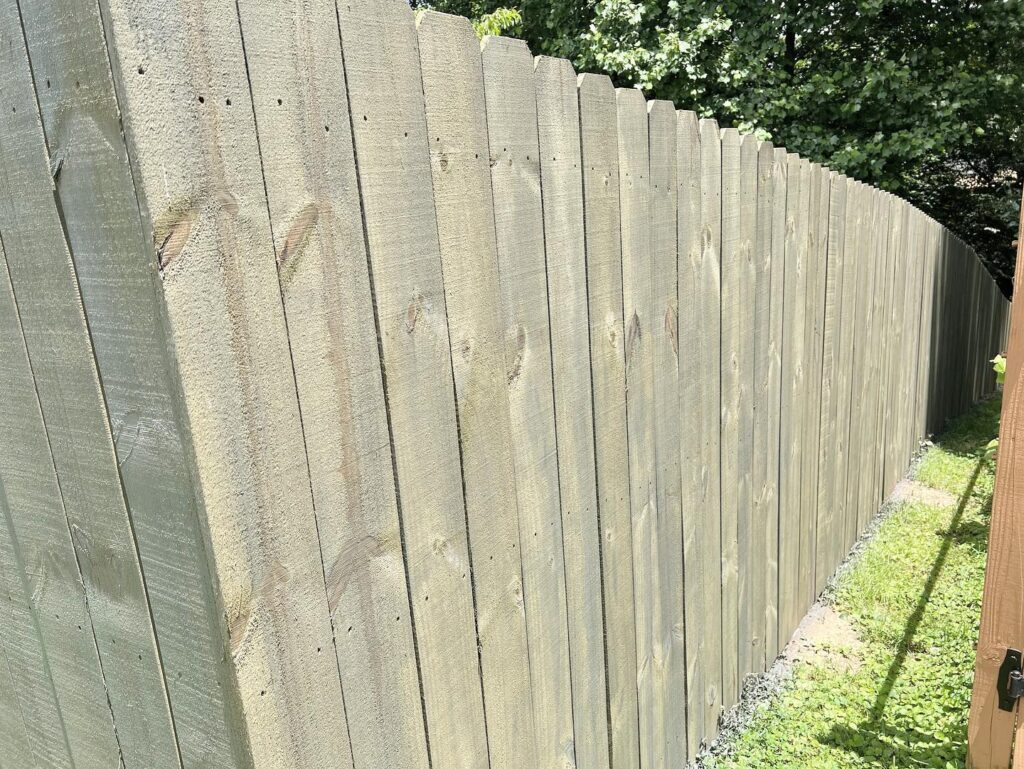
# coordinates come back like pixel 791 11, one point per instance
pixel 914 597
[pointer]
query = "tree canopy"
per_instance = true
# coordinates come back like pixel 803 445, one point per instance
pixel 924 98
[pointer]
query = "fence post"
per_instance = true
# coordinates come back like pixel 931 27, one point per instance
pixel 991 730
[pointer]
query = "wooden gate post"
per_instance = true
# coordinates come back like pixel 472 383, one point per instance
pixel 991 729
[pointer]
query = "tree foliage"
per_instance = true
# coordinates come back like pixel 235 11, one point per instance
pixel 924 98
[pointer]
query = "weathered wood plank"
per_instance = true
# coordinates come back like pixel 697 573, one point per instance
pixel 32 722
pixel 762 408
pixel 391 146
pixel 896 372
pixel 639 314
pixel 824 551
pixel 14 744
pixel 745 364
pixel 834 381
pixel 45 290
pixel 41 557
pixel 811 401
pixel 733 309
pixel 514 157
pixel 916 322
pixel 868 401
pixel 456 124
pixel 791 415
pixel 883 295
pixel 710 512
pixel 309 168
pixel 776 388
pixel 562 185
pixel 857 227
pixel 670 628
pixel 925 345
pixel 600 162
pixel 692 349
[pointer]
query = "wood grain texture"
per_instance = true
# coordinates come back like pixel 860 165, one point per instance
pixel 856 226
pixel 811 405
pixel 32 724
pixel 41 571
pixel 868 401
pixel 792 412
pixel 14 743
pixel 293 49
pixel 196 161
pixel 776 388
pixel 562 185
pixel 746 363
pixel 834 379
pixel 392 157
pixel 990 731
pixel 456 125
pixel 670 627
pixel 897 373
pixel 710 511
pixel 121 294
pixel 640 317
pixel 514 156
pixel 734 487
pixel 45 291
pixel 600 162
pixel 691 410
pixel 763 438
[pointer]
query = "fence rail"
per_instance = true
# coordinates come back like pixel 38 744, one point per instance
pixel 374 398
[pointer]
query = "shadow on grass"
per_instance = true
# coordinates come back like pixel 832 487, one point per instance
pixel 875 738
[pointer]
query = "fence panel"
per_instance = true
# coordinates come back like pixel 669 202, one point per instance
pixel 381 398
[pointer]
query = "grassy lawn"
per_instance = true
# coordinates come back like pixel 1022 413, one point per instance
pixel 914 599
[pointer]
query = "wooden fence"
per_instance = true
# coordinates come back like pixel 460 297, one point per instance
pixel 374 399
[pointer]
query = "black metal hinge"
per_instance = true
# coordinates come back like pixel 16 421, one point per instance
pixel 1010 684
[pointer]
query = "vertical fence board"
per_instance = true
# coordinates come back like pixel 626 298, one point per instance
pixel 670 629
pixel 791 424
pixel 514 157
pixel 710 415
pixel 745 416
pixel 733 311
pixel 870 500
pixel 561 181
pixel 826 555
pixel 638 311
pixel 896 372
pixel 691 300
pixel 600 161
pixel 457 135
pixel 862 294
pixel 776 390
pixel 391 147
pixel 764 376
pixel 814 298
